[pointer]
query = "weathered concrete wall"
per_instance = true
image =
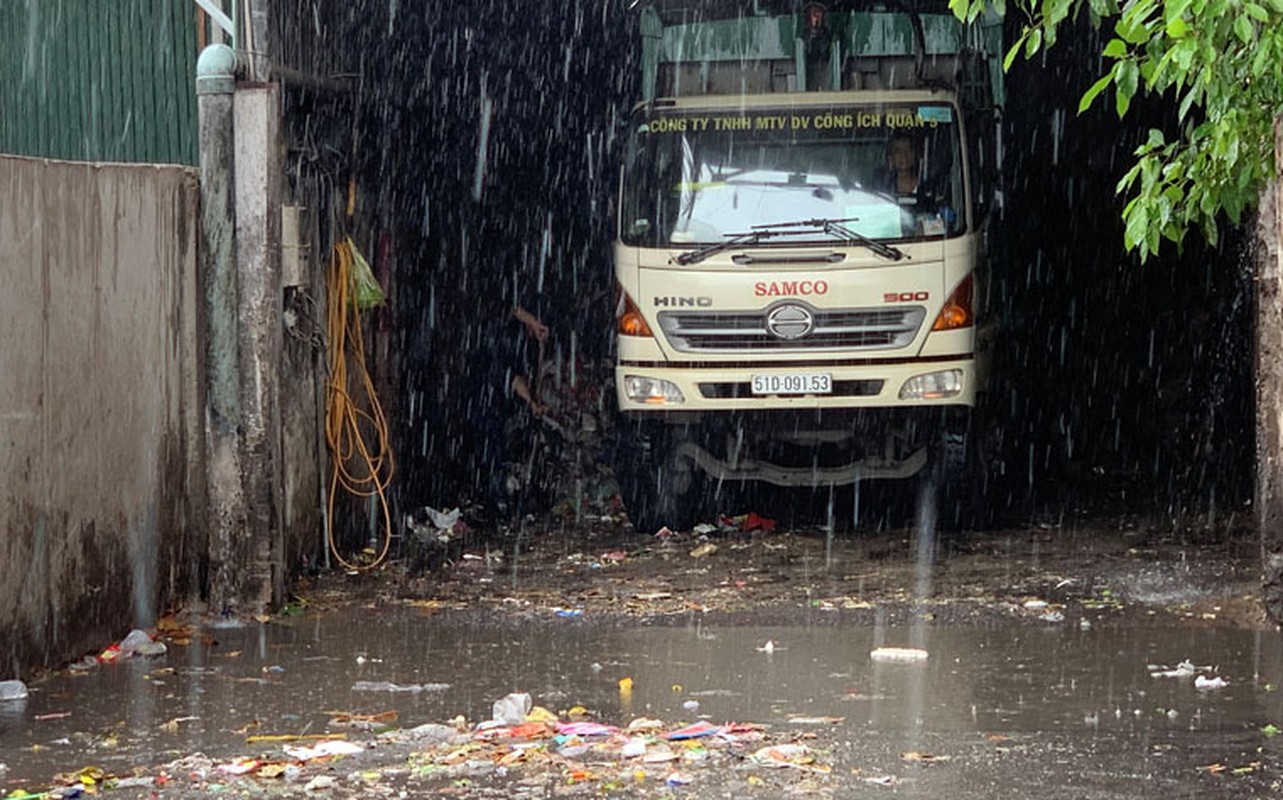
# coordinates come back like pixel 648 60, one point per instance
pixel 259 311
pixel 100 406
pixel 303 451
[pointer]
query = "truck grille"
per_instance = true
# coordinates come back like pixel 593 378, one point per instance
pixel 735 332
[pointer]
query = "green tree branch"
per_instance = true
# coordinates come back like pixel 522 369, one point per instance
pixel 1219 62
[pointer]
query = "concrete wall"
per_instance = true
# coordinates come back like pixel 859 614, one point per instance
pixel 100 405
pixel 302 371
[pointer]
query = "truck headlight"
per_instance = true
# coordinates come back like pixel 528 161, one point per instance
pixel 640 389
pixel 932 385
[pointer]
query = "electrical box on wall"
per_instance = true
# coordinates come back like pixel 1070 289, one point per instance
pixel 294 250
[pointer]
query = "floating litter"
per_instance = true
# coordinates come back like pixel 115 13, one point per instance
pixel 1204 683
pixel 902 654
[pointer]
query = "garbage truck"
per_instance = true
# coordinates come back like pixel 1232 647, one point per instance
pixel 801 256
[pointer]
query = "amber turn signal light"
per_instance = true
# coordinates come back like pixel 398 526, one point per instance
pixel 628 318
pixel 956 312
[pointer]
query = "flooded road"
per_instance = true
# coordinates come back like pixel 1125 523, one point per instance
pixel 1058 710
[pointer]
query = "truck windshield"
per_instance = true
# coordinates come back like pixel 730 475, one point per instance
pixel 890 171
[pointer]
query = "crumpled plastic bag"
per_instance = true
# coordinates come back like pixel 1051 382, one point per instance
pixel 443 520
pixel 512 710
pixel 137 643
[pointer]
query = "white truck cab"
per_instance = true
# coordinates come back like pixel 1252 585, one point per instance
pixel 801 255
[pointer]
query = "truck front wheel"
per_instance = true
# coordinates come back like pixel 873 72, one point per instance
pixel 961 470
pixel 658 488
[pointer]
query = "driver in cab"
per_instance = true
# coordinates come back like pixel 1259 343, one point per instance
pixel 904 180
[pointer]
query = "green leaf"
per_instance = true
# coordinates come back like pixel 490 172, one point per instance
pixel 1131 30
pixel 1126 77
pixel 1105 8
pixel 1257 12
pixel 1207 204
pixel 1233 207
pixel 1175 8
pixel 1115 48
pixel 1150 71
pixel 970 10
pixel 1137 225
pixel 1186 102
pixel 1033 42
pixel 1183 54
pixel 1012 53
pixel 1149 172
pixel 1261 60
pixel 1177 28
pixel 1244 30
pixel 1056 11
pixel 1270 731
pixel 1163 209
pixel 1096 88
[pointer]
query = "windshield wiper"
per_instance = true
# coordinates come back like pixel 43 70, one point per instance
pixel 754 236
pixel 835 227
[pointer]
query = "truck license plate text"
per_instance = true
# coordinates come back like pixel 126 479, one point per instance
pixel 794 383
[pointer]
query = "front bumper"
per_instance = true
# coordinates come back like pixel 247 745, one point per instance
pixel 727 387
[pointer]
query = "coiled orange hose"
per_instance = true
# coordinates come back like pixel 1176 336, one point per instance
pixel 360 448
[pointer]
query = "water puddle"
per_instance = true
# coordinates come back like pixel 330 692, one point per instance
pixel 991 700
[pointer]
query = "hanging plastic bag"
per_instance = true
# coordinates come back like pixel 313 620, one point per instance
pixel 366 290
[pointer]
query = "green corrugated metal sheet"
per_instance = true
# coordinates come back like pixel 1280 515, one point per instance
pixel 92 80
pixel 862 34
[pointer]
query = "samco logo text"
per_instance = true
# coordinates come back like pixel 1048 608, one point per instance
pixel 789 288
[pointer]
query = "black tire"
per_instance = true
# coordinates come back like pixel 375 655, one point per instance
pixel 960 467
pixel 658 490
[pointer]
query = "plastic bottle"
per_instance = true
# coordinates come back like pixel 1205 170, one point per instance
pixel 12 690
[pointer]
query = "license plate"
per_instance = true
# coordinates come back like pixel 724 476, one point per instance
pixel 794 383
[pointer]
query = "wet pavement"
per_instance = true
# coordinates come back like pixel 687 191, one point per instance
pixel 1059 697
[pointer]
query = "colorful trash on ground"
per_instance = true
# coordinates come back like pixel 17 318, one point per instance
pixel 520 739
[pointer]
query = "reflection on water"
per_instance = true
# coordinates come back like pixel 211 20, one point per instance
pixel 981 692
